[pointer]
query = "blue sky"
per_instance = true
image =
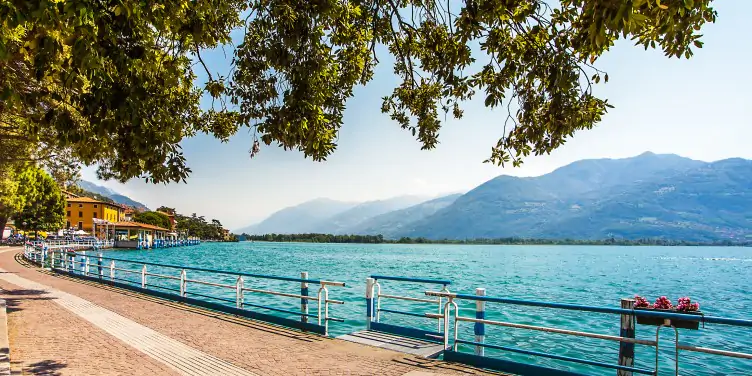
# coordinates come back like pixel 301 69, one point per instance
pixel 698 108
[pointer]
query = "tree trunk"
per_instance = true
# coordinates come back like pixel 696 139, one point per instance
pixel 3 222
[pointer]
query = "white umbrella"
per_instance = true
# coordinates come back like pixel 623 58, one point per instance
pixel 81 232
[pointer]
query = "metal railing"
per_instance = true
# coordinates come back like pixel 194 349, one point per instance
pixel 116 271
pixel 627 338
pixel 38 251
pixel 374 309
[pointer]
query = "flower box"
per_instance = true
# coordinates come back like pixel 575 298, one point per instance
pixel 677 323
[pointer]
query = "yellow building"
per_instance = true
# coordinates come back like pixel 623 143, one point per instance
pixel 80 212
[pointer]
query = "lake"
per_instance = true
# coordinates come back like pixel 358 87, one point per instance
pixel 717 277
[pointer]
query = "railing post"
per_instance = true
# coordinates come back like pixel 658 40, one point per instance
pixel 303 301
pixel 239 293
pixel 99 265
pixel 446 322
pixel 480 328
pixel 326 311
pixel 86 262
pixel 143 277
pixel 182 283
pixel 83 262
pixel 112 270
pixel 627 350
pixel 369 302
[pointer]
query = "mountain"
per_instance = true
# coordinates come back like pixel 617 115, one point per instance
pixel 109 193
pixel 303 218
pixel 648 195
pixel 391 223
pixel 349 220
pixel 91 187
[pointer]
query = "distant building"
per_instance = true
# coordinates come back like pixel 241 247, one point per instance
pixel 171 217
pixel 226 234
pixel 81 211
pixel 128 214
pixel 128 234
pixel 69 194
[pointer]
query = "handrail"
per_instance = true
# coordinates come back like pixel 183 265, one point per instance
pixel 409 279
pixel 584 308
pixel 625 358
pixel 560 331
pixel 288 279
pixel 411 299
pixel 80 264
pixel 374 310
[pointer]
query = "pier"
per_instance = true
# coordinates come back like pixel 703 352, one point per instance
pixel 265 301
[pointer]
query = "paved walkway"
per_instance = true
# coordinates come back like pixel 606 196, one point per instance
pixel 63 326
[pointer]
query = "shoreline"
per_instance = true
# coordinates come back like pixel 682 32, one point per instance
pixel 620 243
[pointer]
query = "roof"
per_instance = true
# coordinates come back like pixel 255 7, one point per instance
pixel 67 193
pixel 166 213
pixel 139 225
pixel 91 200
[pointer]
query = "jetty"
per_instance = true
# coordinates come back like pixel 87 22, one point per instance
pixel 196 321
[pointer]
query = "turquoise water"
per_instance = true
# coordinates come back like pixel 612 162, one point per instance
pixel 718 278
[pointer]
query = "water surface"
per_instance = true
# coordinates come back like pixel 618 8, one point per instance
pixel 717 277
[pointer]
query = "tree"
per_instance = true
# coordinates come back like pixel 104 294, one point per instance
pixel 165 209
pixel 16 189
pixel 114 81
pixel 153 218
pixel 44 209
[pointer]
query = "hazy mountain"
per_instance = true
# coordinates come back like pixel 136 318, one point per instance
pixel 393 222
pixel 91 187
pixel 303 218
pixel 349 220
pixel 114 196
pixel 645 196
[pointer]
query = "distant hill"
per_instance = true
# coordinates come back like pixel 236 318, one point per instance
pixel 397 221
pixel 349 221
pixel 109 193
pixel 301 218
pixel 645 196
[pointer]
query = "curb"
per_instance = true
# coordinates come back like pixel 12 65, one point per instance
pixel 4 342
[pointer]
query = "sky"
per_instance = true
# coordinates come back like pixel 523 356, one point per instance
pixel 698 108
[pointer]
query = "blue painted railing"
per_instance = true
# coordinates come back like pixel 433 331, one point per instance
pixel 374 309
pixel 104 269
pixel 166 243
pixel 626 339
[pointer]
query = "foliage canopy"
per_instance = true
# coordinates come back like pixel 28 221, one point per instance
pixel 44 206
pixel 114 81
pixel 153 218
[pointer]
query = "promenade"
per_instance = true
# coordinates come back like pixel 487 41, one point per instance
pixel 63 326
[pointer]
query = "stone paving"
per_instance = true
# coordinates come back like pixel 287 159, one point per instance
pixel 48 339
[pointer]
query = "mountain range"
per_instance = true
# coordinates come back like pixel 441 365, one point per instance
pixel 109 193
pixel 647 196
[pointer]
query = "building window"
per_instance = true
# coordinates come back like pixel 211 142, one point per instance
pixel 95 206
pixel 80 214
pixel 80 205
pixel 69 204
pixel 67 214
pixel 67 224
pixel 95 215
pixel 80 225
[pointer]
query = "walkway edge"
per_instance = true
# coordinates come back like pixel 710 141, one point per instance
pixel 4 341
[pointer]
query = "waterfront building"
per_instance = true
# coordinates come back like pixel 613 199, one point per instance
pixel 80 212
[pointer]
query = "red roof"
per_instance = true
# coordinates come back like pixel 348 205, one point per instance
pixel 139 225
